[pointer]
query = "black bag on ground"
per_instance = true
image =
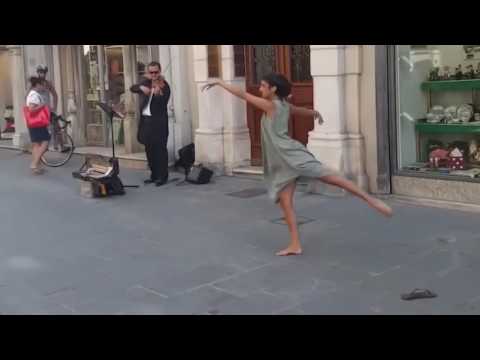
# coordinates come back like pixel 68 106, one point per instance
pixel 199 175
pixel 186 158
pixel 114 186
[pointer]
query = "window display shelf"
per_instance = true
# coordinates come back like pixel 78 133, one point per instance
pixel 468 128
pixel 451 85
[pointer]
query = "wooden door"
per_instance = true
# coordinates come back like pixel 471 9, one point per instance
pixel 293 61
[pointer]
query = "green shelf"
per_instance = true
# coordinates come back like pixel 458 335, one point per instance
pixel 451 85
pixel 469 128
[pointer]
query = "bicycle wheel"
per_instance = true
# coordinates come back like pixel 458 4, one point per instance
pixel 56 154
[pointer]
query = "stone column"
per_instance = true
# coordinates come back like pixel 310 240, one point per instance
pixel 167 62
pixel 131 121
pixel 209 146
pixel 181 109
pixel 236 135
pixel 76 77
pixel 336 71
pixel 20 139
pixel 57 78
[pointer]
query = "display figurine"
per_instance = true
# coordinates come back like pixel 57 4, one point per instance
pixel 470 73
pixel 474 151
pixel 456 160
pixel 446 73
pixel 438 158
pixel 434 74
pixel 477 73
pixel 458 72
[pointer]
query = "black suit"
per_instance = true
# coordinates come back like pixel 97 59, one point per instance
pixel 155 129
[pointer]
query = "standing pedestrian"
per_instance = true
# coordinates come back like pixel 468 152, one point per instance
pixel 50 98
pixel 39 136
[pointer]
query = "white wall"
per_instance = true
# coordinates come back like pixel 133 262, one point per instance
pixel 192 90
pixel 177 61
pixel 181 100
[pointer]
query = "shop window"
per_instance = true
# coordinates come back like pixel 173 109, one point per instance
pixel 214 61
pixel 239 59
pixel 438 117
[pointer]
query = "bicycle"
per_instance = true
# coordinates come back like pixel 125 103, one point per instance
pixel 60 147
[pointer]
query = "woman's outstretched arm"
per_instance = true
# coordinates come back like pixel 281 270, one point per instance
pixel 262 104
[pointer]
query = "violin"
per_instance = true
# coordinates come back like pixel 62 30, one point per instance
pixel 158 85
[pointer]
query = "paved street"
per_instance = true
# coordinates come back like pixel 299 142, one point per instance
pixel 197 250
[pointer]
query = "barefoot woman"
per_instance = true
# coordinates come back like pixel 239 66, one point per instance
pixel 286 160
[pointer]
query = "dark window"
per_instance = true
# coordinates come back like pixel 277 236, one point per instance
pixel 239 59
pixel 213 61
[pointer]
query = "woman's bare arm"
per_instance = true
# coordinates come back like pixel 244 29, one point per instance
pixel 262 104
pixel 299 111
pixel 34 107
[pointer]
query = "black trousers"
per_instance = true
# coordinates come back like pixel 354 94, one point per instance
pixel 157 157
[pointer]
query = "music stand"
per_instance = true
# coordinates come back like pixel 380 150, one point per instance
pixel 112 113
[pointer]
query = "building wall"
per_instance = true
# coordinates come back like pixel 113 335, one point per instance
pixel 368 120
pixel 5 84
pixel 36 55
pixel 181 97
pixel 192 89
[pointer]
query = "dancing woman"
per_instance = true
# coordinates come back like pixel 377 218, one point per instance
pixel 286 160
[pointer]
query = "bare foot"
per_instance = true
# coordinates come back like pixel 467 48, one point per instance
pixel 381 207
pixel 290 251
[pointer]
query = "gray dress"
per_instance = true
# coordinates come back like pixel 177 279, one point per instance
pixel 286 160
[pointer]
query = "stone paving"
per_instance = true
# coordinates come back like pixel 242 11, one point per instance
pixel 200 250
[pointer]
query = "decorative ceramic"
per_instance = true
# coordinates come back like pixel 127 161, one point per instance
pixel 465 113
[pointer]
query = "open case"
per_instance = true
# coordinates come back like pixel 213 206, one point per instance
pixel 105 178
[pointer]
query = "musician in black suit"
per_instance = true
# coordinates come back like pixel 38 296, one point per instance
pixel 154 94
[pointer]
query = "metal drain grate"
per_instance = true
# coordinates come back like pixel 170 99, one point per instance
pixel 301 220
pixel 248 193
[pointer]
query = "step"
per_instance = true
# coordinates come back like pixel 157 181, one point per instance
pixel 250 172
pixel 7 144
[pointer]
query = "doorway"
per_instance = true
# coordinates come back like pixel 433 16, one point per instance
pixel 292 61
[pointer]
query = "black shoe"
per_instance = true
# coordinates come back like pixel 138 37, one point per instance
pixel 66 149
pixel 149 181
pixel 161 182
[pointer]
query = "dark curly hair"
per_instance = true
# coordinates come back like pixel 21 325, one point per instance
pixel 284 87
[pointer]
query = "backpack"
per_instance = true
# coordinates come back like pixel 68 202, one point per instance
pixel 199 175
pixel 186 158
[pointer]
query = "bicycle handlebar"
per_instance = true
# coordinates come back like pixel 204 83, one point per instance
pixel 60 118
